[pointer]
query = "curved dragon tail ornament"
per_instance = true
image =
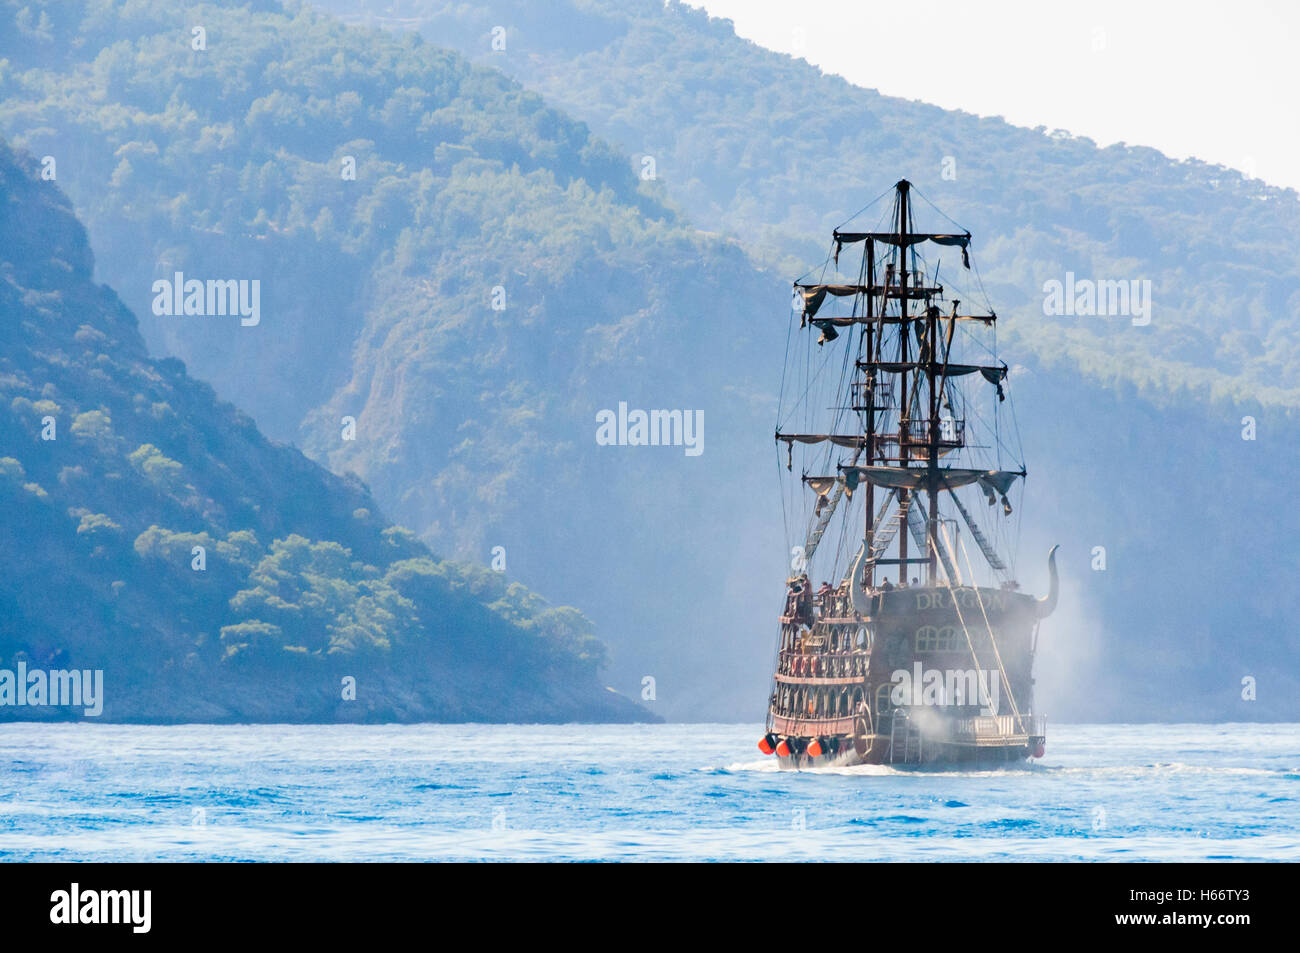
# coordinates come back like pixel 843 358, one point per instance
pixel 861 601
pixel 1047 604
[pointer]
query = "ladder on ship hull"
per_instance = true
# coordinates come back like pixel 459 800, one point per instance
pixel 910 736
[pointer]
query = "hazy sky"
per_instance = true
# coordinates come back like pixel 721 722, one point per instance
pixel 1218 81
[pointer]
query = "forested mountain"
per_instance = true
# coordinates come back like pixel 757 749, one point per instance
pixel 769 149
pixel 151 532
pixel 1133 431
pixel 474 426
pixel 494 276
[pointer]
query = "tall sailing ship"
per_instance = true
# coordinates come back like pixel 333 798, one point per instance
pixel 922 650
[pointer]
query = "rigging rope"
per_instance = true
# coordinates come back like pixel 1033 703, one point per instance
pixel 1011 698
pixel 864 208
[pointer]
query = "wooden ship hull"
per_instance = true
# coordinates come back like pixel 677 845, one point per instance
pixel 897 684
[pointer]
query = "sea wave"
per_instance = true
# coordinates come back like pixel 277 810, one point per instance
pixel 433 792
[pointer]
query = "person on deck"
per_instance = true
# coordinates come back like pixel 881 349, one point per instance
pixel 801 593
pixel 794 596
pixel 824 597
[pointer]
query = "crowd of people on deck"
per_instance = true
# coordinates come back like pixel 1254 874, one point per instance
pixel 828 602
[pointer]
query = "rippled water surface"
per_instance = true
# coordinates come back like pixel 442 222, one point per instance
pixel 580 792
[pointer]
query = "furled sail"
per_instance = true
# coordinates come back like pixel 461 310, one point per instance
pixel 907 240
pixel 852 441
pixel 845 319
pixel 814 296
pixel 914 478
pixel 993 374
pixel 839 439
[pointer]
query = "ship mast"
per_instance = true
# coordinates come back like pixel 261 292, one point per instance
pixel 867 394
pixel 932 435
pixel 904 412
pixel 908 384
pixel 927 363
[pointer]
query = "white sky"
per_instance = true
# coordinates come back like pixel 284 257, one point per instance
pixel 1219 81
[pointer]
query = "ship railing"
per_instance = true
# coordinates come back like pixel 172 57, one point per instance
pixel 950 432
pixel 840 606
pixel 875 394
pixel 824 664
pixel 802 724
pixel 834 605
pixel 989 726
pixel 915 279
pixel 980 727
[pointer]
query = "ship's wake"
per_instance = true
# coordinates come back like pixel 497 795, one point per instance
pixel 771 766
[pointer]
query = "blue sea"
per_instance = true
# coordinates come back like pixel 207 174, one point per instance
pixel 630 792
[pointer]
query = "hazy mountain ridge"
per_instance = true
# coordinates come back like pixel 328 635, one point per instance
pixel 768 148
pixel 114 467
pixel 1118 420
pixel 239 148
pixel 476 426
